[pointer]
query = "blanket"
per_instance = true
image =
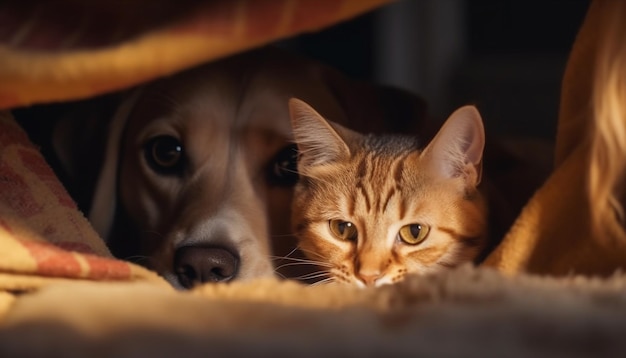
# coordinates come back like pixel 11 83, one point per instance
pixel 553 287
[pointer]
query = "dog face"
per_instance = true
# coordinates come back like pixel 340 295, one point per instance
pixel 205 171
pixel 199 167
pixel 192 177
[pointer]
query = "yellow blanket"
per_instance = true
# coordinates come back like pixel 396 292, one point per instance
pixel 554 234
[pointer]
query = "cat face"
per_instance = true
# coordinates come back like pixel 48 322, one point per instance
pixel 371 209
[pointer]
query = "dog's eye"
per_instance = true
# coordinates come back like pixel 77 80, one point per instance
pixel 164 155
pixel 283 168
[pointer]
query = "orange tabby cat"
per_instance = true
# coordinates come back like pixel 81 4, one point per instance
pixel 371 209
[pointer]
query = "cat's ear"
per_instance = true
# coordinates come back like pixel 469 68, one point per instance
pixel 318 141
pixel 457 149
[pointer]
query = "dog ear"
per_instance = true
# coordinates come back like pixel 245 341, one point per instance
pixel 102 210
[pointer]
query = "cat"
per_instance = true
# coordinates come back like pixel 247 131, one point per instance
pixel 370 209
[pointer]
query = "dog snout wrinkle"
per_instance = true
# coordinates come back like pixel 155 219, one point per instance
pixel 195 265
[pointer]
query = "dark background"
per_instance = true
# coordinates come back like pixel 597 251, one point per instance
pixel 506 57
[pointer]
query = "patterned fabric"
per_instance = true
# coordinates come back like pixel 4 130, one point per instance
pixel 41 231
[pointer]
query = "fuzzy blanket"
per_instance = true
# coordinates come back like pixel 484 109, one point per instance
pixel 62 293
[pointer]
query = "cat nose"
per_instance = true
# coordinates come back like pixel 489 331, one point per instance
pixel 196 264
pixel 369 278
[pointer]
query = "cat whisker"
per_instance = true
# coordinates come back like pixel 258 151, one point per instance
pixel 293 251
pixel 306 263
pixel 306 175
pixel 296 259
pixel 313 253
pixel 290 171
pixel 314 275
pixel 299 261
pixel 323 282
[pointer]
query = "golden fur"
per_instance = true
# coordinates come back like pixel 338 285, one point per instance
pixel 381 184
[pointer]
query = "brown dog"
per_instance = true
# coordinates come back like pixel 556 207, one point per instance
pixel 196 175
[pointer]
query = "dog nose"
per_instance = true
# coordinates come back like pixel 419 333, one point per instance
pixel 196 264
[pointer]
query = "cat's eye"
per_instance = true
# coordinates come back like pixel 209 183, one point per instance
pixel 343 230
pixel 164 154
pixel 283 168
pixel 413 234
